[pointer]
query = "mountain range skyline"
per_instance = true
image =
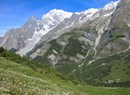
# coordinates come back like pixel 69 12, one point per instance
pixel 13 11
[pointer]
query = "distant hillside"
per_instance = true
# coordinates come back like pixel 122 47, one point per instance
pixel 113 70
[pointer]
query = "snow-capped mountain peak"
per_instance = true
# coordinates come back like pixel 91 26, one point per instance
pixel 48 22
pixel 111 5
pixel 32 18
pixel 56 14
pixel 91 11
pixel 34 29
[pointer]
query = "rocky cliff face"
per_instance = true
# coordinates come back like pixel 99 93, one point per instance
pixel 25 38
pixel 116 37
pixel 15 38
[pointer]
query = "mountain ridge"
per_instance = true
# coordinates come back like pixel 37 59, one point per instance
pixel 38 25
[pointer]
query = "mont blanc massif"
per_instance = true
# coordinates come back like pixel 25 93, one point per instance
pixel 80 53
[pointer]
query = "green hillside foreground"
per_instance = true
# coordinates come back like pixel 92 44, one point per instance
pixel 20 78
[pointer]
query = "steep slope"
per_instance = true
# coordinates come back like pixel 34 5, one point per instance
pixel 26 37
pixel 15 38
pixel 21 76
pixel 116 37
pixel 85 29
pixel 109 71
pixel 47 23
pixel 18 79
pixel 110 63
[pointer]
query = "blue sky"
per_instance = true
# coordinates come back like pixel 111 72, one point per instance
pixel 14 13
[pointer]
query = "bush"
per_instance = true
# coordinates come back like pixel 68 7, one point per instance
pixel 2 50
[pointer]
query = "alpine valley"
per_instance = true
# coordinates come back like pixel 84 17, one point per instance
pixel 91 47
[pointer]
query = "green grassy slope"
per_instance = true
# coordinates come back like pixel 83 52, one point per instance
pixel 113 68
pixel 19 76
pixel 17 79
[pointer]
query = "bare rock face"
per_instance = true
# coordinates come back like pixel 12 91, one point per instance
pixel 121 15
pixel 116 37
pixel 15 38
